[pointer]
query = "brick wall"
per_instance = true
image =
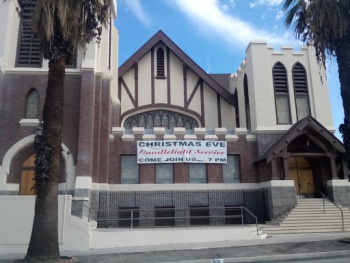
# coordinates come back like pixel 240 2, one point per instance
pixel 14 93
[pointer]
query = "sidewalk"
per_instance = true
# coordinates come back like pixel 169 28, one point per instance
pixel 271 249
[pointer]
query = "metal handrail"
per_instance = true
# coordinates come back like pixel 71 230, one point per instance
pixel 83 205
pixel 256 219
pixel 186 215
pixel 325 197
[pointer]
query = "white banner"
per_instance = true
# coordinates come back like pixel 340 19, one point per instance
pixel 181 152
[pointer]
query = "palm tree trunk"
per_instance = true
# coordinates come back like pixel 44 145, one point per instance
pixel 343 58
pixel 43 245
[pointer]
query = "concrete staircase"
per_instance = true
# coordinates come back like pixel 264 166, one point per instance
pixel 308 216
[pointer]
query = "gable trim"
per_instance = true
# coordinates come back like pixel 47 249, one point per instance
pixel 161 37
pixel 295 131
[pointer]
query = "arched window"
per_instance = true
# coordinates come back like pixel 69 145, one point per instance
pixel 237 108
pixel 246 99
pixel 32 105
pixel 160 62
pixel 160 118
pixel 280 85
pixel 301 92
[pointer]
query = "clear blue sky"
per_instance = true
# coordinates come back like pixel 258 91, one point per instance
pixel 214 33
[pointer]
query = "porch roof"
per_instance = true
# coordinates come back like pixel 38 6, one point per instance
pixel 308 125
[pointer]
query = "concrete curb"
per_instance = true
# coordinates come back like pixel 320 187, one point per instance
pixel 274 258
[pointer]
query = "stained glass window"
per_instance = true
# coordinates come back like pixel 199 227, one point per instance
pixel 32 107
pixel 160 118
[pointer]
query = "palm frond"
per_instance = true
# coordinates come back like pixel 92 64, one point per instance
pixel 319 22
pixel 287 4
pixel 70 24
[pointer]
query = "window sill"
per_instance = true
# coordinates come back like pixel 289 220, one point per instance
pixel 29 122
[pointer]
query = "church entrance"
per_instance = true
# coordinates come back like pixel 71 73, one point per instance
pixel 300 171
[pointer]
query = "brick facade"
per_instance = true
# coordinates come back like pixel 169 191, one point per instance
pixel 94 136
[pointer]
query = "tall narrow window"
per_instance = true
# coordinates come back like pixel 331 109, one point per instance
pixel 198 173
pixel 301 92
pixel 246 99
pixel 231 170
pixel 28 50
pixel 280 84
pixel 32 105
pixel 164 173
pixel 129 169
pixel 237 108
pixel 160 62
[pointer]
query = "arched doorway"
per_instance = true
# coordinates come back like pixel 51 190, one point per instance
pixel 27 177
pixel 17 157
pixel 300 170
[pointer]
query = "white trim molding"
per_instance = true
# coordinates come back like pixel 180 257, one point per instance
pixel 338 182
pixel 29 122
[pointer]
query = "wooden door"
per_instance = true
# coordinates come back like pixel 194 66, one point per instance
pixel 27 176
pixel 300 171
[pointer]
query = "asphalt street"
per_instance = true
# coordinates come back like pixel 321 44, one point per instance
pixel 287 252
pixel 307 248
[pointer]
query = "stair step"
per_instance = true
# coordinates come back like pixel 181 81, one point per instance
pixel 316 219
pixel 303 231
pixel 320 206
pixel 309 216
pixel 316 216
pixel 278 228
pixel 300 220
pixel 329 207
pixel 319 211
pixel 306 223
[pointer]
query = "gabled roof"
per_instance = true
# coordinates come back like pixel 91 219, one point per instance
pixel 222 80
pixel 161 37
pixel 308 123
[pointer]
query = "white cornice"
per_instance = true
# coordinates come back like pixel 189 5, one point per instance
pixel 36 71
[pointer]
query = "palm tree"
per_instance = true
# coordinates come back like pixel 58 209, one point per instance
pixel 326 25
pixel 62 26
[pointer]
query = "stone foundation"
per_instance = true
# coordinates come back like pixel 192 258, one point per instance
pixel 280 197
pixel 339 191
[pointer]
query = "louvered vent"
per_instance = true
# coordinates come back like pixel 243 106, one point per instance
pixel 29 52
pixel 280 79
pixel 299 80
pixel 246 94
pixel 73 62
pixel 160 62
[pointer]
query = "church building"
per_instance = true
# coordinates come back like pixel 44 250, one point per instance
pixel 161 137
